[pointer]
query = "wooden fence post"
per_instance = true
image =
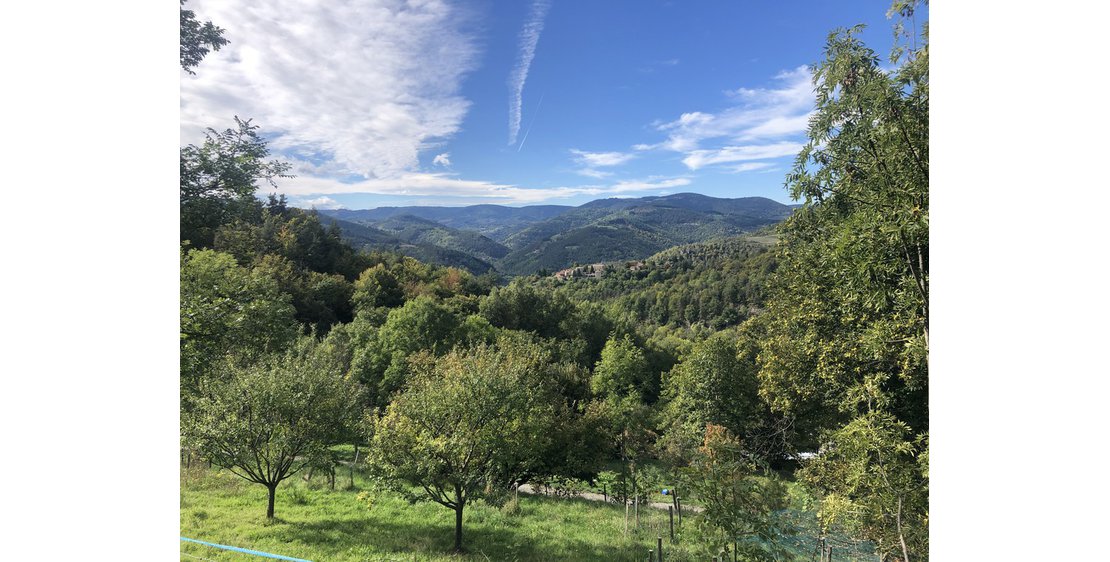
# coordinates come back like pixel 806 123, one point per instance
pixel 659 544
pixel 670 515
pixel 678 507
pixel 636 502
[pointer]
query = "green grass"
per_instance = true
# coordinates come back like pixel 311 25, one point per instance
pixel 316 523
pixel 319 524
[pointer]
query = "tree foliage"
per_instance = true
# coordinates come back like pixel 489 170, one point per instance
pixel 847 326
pixel 468 425
pixel 226 309
pixel 377 287
pixel 266 419
pixel 875 477
pixel 743 501
pixel 197 39
pixel 219 178
pixel 622 370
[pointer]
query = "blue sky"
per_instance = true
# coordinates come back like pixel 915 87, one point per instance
pixel 385 102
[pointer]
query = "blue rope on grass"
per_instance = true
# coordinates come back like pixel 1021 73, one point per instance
pixel 247 551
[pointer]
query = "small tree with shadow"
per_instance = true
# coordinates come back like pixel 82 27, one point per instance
pixel 469 425
pixel 267 420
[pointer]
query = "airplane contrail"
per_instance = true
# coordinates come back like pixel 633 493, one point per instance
pixel 530 123
pixel 529 37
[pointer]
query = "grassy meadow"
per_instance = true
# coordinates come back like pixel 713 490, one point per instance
pixel 317 523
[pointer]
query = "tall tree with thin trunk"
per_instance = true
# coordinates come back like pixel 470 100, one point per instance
pixel 847 322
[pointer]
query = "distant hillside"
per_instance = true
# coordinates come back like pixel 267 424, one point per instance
pixel 416 230
pixel 718 283
pixel 495 221
pixel 373 239
pixel 621 229
pixel 525 240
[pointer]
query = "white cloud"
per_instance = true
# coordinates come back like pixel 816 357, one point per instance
pixel 601 159
pixel 590 161
pixel 641 185
pixel 444 185
pixel 317 203
pixel 762 124
pixel 442 159
pixel 761 113
pixel 592 173
pixel 358 88
pixel 700 158
pixel 529 37
pixel 750 166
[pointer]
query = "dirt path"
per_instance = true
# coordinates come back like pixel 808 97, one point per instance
pixel 590 496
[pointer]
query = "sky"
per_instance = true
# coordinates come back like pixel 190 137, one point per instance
pixel 524 102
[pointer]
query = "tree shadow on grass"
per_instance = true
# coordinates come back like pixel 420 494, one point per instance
pixel 432 540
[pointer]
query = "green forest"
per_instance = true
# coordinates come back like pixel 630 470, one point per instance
pixel 408 400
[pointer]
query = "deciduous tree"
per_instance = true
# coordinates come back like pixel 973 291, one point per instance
pixel 226 308
pixel 219 178
pixel 469 424
pixel 846 349
pixel 265 420
pixel 743 501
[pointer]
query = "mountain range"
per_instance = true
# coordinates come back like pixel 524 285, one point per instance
pixel 526 240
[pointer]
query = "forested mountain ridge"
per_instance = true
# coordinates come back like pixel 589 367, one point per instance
pixel 414 230
pixel 411 240
pixel 549 237
pixel 494 221
pixel 707 285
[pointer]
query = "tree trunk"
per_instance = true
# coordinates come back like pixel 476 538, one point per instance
pixel 635 496
pixel 626 515
pixel 901 538
pixel 458 526
pixel 678 503
pixel 270 505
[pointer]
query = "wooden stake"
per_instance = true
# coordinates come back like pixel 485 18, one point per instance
pixel 670 515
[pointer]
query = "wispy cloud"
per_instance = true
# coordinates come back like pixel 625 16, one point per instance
pixel 700 158
pixel 368 84
pixel 659 64
pixel 762 113
pixel 648 185
pixel 442 160
pixel 317 203
pixel 750 166
pixel 529 37
pixel 445 185
pixel 592 173
pixel 759 125
pixel 600 159
pixel 589 162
